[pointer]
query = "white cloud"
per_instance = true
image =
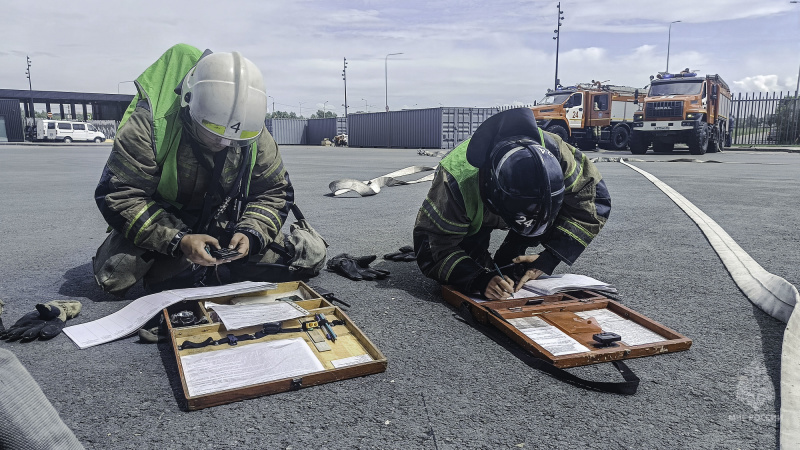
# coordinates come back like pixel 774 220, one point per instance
pixel 456 52
pixel 763 83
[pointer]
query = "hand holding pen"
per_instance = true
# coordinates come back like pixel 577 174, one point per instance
pixel 500 287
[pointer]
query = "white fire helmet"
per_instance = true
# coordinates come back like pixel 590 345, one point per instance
pixel 226 99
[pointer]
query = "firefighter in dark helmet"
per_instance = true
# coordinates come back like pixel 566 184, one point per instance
pixel 508 175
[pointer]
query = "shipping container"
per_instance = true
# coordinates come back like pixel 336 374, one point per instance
pixel 416 128
pixel 319 129
pixel 11 124
pixel 341 125
pixel 288 131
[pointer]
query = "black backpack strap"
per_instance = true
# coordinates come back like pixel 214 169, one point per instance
pixel 627 387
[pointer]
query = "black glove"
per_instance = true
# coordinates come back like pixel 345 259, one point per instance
pixel 46 322
pixel 356 267
pixel 406 253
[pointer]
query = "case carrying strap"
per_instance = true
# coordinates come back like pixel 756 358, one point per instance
pixel 627 387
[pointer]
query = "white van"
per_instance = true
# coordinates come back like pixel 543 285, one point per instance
pixel 59 130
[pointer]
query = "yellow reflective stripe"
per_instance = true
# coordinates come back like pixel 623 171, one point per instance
pixel 265 218
pixel 139 214
pixel 578 226
pixel 433 221
pixel 447 278
pixel 269 210
pixel 146 224
pixel 571 234
pixel 578 175
pixel 439 213
pixel 444 262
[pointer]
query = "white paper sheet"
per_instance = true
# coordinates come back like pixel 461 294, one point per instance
pixel 351 361
pixel 549 285
pixel 632 333
pixel 247 365
pixel 549 337
pixel 235 317
pixel 129 319
pixel 266 298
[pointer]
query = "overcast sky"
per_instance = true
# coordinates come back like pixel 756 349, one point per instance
pixel 455 52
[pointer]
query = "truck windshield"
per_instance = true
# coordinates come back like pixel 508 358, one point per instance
pixel 678 88
pixel 556 99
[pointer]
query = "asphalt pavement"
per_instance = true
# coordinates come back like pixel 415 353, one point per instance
pixel 447 385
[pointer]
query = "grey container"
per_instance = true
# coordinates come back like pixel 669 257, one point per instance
pixel 288 131
pixel 416 128
pixel 319 129
pixel 13 128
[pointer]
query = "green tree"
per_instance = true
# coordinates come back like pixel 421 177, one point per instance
pixel 283 115
pixel 320 114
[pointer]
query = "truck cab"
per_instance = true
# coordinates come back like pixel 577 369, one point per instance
pixel 589 114
pixel 683 108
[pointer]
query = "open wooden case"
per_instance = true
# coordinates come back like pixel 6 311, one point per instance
pixel 560 328
pixel 351 355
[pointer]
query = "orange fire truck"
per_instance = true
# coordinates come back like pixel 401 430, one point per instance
pixel 683 108
pixel 589 114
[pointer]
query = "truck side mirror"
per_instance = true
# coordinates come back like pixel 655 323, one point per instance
pixel 636 97
pixel 714 91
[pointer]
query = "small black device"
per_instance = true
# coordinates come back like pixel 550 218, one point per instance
pixel 606 339
pixel 223 253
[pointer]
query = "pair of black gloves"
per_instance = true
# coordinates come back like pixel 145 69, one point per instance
pixel 357 267
pixel 45 323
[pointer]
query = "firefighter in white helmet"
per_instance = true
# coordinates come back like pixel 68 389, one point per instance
pixel 192 172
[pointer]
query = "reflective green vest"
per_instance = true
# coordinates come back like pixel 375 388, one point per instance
pixel 156 86
pixel 466 175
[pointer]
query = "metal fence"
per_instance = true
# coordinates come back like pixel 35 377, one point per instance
pixel 761 119
pixel 107 127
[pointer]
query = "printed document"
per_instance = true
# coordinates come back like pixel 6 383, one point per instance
pixel 632 333
pixel 549 285
pixel 235 317
pixel 247 365
pixel 548 336
pixel 129 319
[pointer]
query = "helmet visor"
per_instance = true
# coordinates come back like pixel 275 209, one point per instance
pixel 216 142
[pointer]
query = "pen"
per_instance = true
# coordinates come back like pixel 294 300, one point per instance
pixel 503 277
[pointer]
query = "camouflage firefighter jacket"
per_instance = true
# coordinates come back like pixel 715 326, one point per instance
pixel 128 192
pixel 446 227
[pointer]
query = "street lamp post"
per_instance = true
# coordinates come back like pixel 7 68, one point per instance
pixel 30 88
pixel 273 103
pixel 557 38
pixel 366 106
pixel 669 41
pixel 386 76
pixel 344 77
pixel 796 95
pixel 797 87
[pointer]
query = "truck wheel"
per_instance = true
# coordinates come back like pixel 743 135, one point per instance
pixel 715 141
pixel 560 131
pixel 698 140
pixel 638 143
pixel 663 147
pixel 67 140
pixel 619 138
